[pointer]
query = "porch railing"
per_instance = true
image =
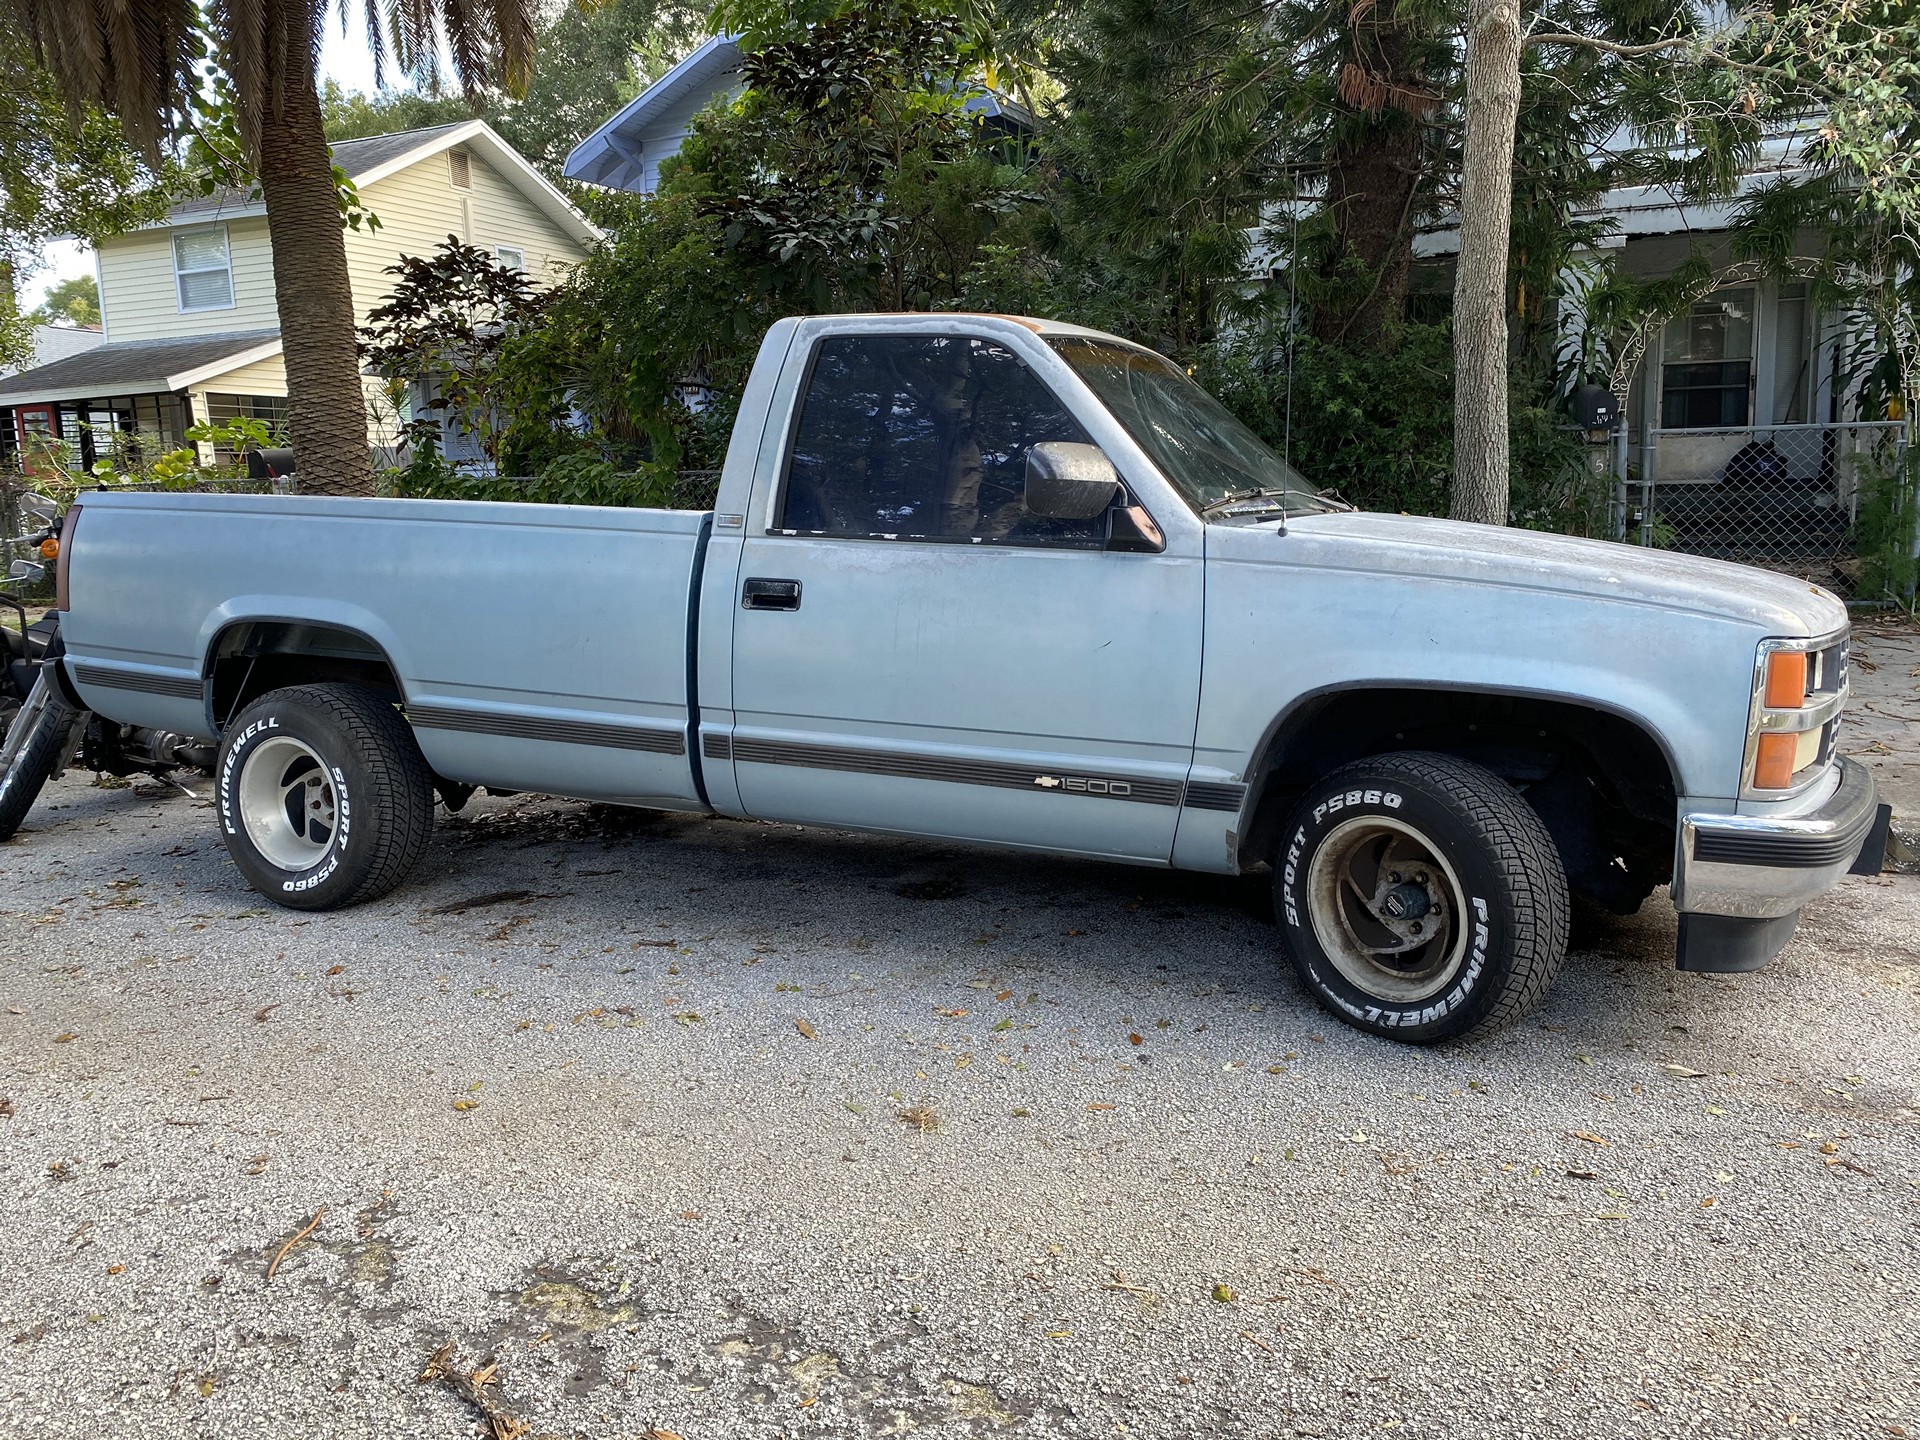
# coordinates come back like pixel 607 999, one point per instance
pixel 1835 504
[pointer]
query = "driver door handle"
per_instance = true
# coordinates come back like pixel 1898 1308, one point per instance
pixel 763 594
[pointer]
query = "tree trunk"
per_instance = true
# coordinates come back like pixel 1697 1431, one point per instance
pixel 327 410
pixel 1480 480
pixel 1370 193
pixel 1374 172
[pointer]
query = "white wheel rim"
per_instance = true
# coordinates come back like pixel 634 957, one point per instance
pixel 287 803
pixel 1387 909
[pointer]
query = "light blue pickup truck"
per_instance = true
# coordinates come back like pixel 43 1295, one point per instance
pixel 1025 585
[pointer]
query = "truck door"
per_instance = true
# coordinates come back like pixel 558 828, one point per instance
pixel 915 652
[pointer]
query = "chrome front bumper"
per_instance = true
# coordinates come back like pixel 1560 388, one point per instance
pixel 1760 867
pixel 1739 880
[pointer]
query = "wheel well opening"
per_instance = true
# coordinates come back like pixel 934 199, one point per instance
pixel 1599 780
pixel 255 656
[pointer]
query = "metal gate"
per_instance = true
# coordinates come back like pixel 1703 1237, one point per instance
pixel 1834 504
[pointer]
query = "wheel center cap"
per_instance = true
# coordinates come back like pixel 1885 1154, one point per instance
pixel 1406 902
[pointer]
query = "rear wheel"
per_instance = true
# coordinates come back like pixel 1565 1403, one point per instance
pixel 39 737
pixel 1421 897
pixel 325 799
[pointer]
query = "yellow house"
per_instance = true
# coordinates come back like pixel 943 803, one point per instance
pixel 191 326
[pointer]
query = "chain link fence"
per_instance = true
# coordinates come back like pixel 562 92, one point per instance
pixel 1834 504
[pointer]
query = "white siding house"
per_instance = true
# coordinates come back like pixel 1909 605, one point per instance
pixel 190 320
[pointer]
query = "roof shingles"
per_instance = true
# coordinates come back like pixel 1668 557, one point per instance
pixel 129 366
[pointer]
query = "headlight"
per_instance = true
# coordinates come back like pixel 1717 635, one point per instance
pixel 1799 690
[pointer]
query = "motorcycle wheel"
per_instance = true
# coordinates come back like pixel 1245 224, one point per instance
pixel 35 746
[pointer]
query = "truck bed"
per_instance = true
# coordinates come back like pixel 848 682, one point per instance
pixel 538 647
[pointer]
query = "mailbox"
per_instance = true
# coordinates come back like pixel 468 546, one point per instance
pixel 1595 408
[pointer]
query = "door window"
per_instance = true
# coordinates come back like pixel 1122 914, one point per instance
pixel 925 437
pixel 1707 364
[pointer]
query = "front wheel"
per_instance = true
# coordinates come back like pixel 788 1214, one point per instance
pixel 1421 897
pixel 39 737
pixel 325 799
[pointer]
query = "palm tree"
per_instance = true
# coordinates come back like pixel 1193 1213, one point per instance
pixel 141 59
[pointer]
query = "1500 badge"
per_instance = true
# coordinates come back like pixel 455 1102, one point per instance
pixel 1079 786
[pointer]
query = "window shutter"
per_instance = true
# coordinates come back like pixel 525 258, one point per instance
pixel 459 169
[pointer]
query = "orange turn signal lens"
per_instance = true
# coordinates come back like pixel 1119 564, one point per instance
pixel 1786 687
pixel 49 549
pixel 1773 762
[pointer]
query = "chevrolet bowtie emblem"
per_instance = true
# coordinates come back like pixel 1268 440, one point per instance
pixel 1047 782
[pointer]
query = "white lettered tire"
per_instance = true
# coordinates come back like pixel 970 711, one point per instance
pixel 324 798
pixel 1421 897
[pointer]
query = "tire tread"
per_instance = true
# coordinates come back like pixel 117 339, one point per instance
pixel 385 745
pixel 1523 853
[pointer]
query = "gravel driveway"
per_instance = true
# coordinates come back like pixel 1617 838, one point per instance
pixel 740 1130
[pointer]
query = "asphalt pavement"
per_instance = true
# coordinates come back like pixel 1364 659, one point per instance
pixel 712 1129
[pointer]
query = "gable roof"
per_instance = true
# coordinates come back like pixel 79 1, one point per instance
pixel 139 367
pixel 375 157
pixel 651 126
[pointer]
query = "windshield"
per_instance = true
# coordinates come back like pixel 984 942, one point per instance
pixel 1209 456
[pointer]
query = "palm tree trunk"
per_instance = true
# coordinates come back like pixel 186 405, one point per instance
pixel 327 410
pixel 1480 458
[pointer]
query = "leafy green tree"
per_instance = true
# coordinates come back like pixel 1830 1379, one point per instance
pixel 73 301
pixel 848 176
pixel 148 61
pixel 62 172
pixel 452 318
pixel 355 114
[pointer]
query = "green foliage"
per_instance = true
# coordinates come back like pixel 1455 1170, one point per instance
pixel 849 177
pixel 452 319
pixel 355 115
pixel 73 301
pixel 1887 527
pixel 63 171
pixel 1377 427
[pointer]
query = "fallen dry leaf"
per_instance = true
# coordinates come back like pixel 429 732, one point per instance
pixel 920 1118
pixel 805 1029
pixel 1099 1105
pixel 1684 1072
pixel 1591 1138
pixel 658 1434
pixel 1133 1039
pixel 336 969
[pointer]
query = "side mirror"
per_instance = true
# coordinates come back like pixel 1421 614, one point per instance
pixel 39 507
pixel 1069 481
pixel 26 570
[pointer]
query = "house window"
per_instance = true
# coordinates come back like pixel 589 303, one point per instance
pixel 511 257
pixel 202 268
pixel 1706 372
pixel 460 169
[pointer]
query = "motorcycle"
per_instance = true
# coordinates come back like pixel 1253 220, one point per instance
pixel 44 726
